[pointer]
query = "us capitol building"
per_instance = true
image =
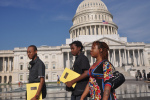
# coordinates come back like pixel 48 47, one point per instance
pixel 87 27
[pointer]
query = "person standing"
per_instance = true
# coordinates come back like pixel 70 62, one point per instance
pixel 36 72
pixel 100 74
pixel 81 66
pixel 58 79
pixel 136 75
pixel 140 75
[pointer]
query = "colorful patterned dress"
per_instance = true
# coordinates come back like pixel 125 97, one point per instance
pixel 99 78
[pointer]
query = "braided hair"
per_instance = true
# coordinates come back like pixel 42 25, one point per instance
pixel 104 48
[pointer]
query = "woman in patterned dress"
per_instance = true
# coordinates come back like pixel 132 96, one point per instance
pixel 100 73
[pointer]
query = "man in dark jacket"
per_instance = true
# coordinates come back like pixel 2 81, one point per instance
pixel 36 72
pixel 81 66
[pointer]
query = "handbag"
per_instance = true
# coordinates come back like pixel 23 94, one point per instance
pixel 118 78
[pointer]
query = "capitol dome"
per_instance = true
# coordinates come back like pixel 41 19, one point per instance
pixel 89 20
pixel 91 4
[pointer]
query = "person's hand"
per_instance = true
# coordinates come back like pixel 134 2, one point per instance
pixel 34 98
pixel 69 84
pixel 81 98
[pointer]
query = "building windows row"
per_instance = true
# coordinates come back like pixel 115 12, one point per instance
pixel 21 77
pixel 21 67
pixel 92 5
pixel 5 79
pixel 46 57
pixel 92 17
pixel 53 76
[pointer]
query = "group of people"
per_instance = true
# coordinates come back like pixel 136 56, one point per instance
pixel 93 81
pixel 140 76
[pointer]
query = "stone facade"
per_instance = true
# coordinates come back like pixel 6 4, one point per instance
pixel 88 26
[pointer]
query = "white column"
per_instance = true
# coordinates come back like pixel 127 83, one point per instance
pixel 134 58
pixel 91 30
pixel 139 62
pixel 125 56
pixel 108 30
pixel 73 60
pixel 62 60
pixel 120 59
pixel 128 57
pixel 12 67
pixel 116 31
pixel 8 64
pixel 104 30
pixel 68 61
pixel 95 30
pixel 142 58
pixel 87 31
pixel 75 35
pixel 111 30
pixel 114 63
pixel 85 53
pixel 100 30
pixel 3 64
pixel 78 32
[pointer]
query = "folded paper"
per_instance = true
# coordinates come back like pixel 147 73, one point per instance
pixel 69 75
pixel 31 90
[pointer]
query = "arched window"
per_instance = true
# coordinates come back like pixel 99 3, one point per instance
pixel 46 76
pixel 21 66
pixel 21 57
pixel 20 77
pixel 10 78
pixel 46 65
pixel 96 17
pixel 54 66
pixel 5 79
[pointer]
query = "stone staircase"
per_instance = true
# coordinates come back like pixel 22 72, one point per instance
pixel 126 74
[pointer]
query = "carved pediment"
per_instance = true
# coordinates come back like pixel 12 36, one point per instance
pixel 108 41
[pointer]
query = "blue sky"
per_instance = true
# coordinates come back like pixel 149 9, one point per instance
pixel 47 22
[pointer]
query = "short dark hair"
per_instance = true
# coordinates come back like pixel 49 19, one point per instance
pixel 78 44
pixel 35 48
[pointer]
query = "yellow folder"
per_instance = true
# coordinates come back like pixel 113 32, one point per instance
pixel 69 75
pixel 31 90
